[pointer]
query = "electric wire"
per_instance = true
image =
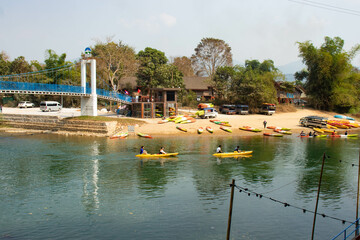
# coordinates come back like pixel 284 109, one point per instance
pixel 327 7
pixel 304 210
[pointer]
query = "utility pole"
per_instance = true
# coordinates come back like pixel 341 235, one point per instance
pixel 357 201
pixel 317 197
pixel 230 208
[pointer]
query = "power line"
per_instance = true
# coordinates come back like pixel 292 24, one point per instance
pixel 327 7
pixel 259 195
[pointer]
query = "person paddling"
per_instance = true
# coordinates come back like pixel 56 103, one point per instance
pixel 218 150
pixel 142 150
pixel 237 149
pixel 162 151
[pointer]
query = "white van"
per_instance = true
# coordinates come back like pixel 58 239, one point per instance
pixel 50 106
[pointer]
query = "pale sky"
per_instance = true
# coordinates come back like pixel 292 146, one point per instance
pixel 254 29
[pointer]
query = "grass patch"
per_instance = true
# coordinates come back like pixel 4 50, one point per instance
pixel 125 121
pixel 285 108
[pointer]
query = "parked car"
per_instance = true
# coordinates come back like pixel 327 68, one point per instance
pixel 227 109
pixel 313 121
pixel 50 106
pixel 268 108
pixel 26 104
pixel 208 113
pixel 242 109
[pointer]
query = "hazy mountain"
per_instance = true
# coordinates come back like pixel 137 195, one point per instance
pixel 292 67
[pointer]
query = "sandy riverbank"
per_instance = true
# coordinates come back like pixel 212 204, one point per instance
pixel 151 126
pixel 288 120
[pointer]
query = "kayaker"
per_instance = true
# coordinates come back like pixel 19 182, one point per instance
pixel 315 134
pixel 346 133
pixel 333 133
pixel 237 149
pixel 142 150
pixel 162 151
pixel 218 150
pixel 302 133
pixel 310 134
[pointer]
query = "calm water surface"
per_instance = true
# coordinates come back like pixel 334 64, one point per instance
pixel 59 187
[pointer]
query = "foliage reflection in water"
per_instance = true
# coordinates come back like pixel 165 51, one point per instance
pixel 74 187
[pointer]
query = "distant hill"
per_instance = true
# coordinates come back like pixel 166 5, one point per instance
pixel 292 67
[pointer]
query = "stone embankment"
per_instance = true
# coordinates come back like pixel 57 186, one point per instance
pixel 57 124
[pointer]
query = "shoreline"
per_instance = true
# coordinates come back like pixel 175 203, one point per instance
pixel 153 128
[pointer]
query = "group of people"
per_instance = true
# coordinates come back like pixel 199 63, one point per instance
pixel 219 150
pixel 313 134
pixel 143 151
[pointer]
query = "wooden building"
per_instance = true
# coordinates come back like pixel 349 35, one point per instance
pixel 161 102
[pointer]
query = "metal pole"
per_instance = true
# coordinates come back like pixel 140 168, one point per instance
pixel 317 197
pixel 357 201
pixel 230 209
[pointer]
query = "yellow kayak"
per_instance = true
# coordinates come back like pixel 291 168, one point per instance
pixel 232 154
pixel 156 155
pixel 319 130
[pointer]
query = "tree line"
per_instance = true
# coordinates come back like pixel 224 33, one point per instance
pixel 330 80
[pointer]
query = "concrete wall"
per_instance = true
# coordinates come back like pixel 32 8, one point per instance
pixel 55 123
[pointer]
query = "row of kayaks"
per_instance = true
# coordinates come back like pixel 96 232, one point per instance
pixel 227 154
pixel 331 136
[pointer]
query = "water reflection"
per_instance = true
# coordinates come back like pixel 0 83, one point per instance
pixel 79 179
pixel 90 198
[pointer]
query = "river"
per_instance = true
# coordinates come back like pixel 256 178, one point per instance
pixel 69 187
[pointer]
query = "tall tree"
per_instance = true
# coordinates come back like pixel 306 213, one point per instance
pixel 168 76
pixel 52 60
pixel 252 84
pixel 210 54
pixel 19 65
pixel 150 60
pixel 115 60
pixel 329 70
pixel 222 81
pixel 184 66
pixel 4 63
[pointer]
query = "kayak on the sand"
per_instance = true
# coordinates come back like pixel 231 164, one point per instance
pixel 209 129
pixel 200 130
pixel 119 135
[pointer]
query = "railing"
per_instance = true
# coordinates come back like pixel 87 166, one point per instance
pixel 112 94
pixel 43 87
pixel 344 232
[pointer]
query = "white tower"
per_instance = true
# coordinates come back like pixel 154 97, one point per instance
pixel 89 104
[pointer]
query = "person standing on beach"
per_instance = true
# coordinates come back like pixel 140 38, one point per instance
pixel 264 123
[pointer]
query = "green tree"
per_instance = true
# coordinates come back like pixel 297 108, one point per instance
pixel 252 84
pixel 114 61
pixel 4 64
pixel 168 76
pixel 19 65
pixel 210 54
pixel 222 81
pixel 52 60
pixel 330 74
pixel 301 76
pixel 150 60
